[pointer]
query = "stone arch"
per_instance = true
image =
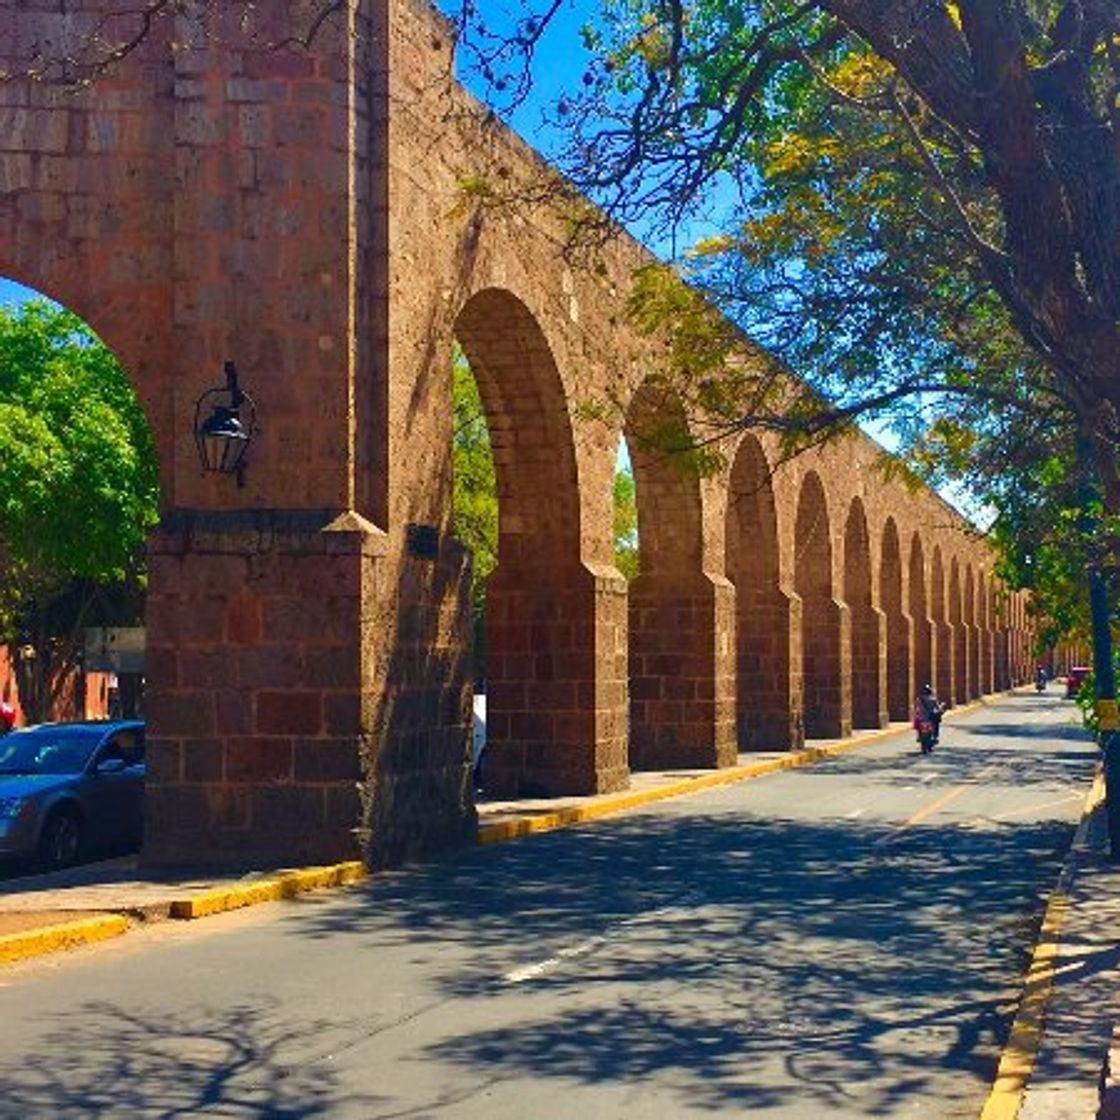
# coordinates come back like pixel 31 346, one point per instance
pixel 925 633
pixel 826 626
pixel 543 664
pixel 76 690
pixel 900 682
pixel 682 709
pixel 939 612
pixel 99 307
pixel 530 432
pixel 768 620
pixel 868 626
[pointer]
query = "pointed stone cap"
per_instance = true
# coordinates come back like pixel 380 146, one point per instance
pixel 350 521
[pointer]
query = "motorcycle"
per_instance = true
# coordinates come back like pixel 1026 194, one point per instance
pixel 1040 682
pixel 927 734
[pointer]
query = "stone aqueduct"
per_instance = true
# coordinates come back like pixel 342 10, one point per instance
pixel 302 212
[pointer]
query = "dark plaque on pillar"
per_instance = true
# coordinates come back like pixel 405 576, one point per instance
pixel 423 541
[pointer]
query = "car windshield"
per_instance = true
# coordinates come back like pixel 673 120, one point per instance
pixel 48 750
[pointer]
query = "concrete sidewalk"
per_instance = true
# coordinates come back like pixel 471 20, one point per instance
pixel 1055 1066
pixel 1070 1078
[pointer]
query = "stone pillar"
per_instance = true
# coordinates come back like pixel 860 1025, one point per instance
pixel 901 685
pixel 557 696
pixel 417 632
pixel 984 655
pixel 869 667
pixel 292 719
pixel 960 661
pixel 925 654
pixel 975 688
pixel 946 683
pixel 770 715
pixel 828 671
pixel 1002 659
pixel 682 672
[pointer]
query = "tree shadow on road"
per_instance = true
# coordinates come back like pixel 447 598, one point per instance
pixel 747 962
pixel 104 1061
pixel 734 954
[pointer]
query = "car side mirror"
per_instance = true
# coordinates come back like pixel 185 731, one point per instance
pixel 112 765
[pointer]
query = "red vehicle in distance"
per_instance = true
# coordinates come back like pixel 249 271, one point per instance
pixel 1075 678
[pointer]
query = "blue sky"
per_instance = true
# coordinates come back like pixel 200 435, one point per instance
pixel 13 293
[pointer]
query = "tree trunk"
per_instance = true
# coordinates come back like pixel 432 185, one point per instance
pixel 1104 664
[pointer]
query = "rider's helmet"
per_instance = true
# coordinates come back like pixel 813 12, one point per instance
pixel 927 690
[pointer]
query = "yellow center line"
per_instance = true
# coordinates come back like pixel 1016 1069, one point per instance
pixel 936 805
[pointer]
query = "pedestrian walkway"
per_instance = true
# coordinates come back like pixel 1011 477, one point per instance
pixel 1070 1007
pixel 1070 1079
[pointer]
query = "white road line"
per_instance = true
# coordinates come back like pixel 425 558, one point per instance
pixel 549 964
pixel 532 971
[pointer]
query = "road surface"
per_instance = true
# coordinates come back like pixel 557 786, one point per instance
pixel 845 940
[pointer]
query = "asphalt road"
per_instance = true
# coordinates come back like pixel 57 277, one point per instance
pixel 844 940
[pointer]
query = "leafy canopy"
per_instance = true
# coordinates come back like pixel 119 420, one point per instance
pixel 79 483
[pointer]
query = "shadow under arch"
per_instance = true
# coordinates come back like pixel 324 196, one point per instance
pixel 869 705
pixel 681 695
pixel 899 638
pixel 549 731
pixel 769 696
pixel 826 622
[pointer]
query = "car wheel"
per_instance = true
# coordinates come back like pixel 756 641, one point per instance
pixel 61 841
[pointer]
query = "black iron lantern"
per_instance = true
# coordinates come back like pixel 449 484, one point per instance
pixel 224 435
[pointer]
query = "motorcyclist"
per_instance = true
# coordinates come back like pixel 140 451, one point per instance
pixel 927 708
pixel 1040 679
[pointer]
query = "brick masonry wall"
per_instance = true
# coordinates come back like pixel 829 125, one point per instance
pixel 332 220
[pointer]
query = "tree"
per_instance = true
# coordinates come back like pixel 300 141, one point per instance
pixel 79 491
pixel 475 496
pixel 1024 469
pixel 928 189
pixel 626 522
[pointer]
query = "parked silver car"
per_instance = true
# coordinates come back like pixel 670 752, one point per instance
pixel 68 790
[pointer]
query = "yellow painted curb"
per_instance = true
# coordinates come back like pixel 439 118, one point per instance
pixel 65 935
pixel 530 823
pixel 286 885
pixel 545 822
pixel 1021 1052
